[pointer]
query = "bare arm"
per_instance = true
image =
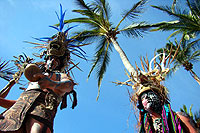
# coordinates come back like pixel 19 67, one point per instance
pixel 4 92
pixel 187 122
pixel 6 103
pixel 59 87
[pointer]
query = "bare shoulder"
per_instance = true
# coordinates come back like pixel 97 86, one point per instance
pixel 185 118
pixel 64 77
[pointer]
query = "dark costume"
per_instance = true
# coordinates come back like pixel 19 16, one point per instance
pixel 39 104
pixel 150 97
pixel 42 104
pixel 168 123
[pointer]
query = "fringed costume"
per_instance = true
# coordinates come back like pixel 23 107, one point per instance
pixel 169 122
pixel 39 104
pixel 150 96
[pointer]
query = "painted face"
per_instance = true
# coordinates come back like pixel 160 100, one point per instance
pixel 56 48
pixel 52 63
pixel 151 102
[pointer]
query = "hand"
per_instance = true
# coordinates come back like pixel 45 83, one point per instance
pixel 44 81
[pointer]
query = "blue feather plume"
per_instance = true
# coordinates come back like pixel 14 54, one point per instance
pixel 72 47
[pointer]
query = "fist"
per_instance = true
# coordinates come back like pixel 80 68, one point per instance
pixel 44 82
pixel 30 71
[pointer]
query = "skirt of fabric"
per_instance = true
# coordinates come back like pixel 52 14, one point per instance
pixel 37 103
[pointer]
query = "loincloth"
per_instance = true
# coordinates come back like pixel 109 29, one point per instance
pixel 32 102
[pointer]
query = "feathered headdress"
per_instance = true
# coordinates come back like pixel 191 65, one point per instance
pixel 60 44
pixel 150 77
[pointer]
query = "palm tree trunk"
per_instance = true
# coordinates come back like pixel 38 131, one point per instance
pixel 195 76
pixel 123 57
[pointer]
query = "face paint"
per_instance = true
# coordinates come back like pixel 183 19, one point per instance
pixel 151 102
pixel 52 63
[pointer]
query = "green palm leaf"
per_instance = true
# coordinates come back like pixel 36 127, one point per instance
pixel 188 53
pixel 102 67
pixel 133 12
pixel 96 16
pixel 135 29
pixel 6 72
pixel 103 8
pixel 187 20
pixel 100 53
pixel 82 4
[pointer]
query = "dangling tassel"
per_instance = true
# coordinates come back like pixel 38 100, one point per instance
pixel 64 100
pixel 165 112
pixel 173 119
pixel 75 99
pixel 142 130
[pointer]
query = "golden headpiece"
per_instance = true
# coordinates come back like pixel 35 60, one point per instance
pixel 149 78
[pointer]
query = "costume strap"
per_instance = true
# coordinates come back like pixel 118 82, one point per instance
pixel 64 100
pixel 165 113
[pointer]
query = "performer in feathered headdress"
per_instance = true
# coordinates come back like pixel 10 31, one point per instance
pixel 36 108
pixel 150 96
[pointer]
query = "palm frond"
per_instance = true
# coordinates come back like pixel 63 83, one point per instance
pixel 85 13
pixel 165 25
pixel 136 29
pixel 133 12
pixel 100 62
pixel 187 22
pixel 6 72
pixel 94 19
pixel 102 68
pixel 103 6
pixel 87 35
pixel 177 14
pixel 83 20
pixel 195 56
pixel 100 50
pixel 82 4
pixel 174 34
pixel 187 53
pixel 194 6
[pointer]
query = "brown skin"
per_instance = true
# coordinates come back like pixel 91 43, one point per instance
pixel 34 126
pixel 60 87
pixel 60 83
pixel 6 103
pixel 187 122
pixel 7 88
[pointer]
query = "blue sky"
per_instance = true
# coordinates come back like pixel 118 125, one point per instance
pixel 23 19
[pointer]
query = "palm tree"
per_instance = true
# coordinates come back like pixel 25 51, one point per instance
pixel 187 20
pixel 186 55
pixel 97 16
